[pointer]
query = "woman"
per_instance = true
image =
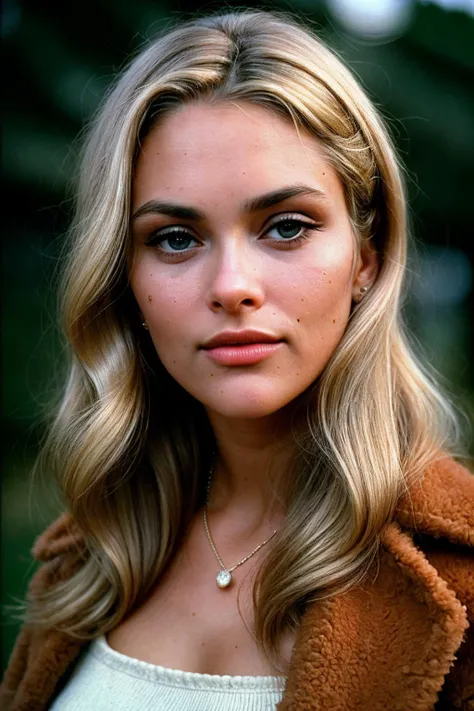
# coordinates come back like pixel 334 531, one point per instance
pixel 261 505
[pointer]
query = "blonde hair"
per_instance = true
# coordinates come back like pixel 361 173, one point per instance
pixel 130 447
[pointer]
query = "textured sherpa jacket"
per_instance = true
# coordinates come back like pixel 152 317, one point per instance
pixel 403 640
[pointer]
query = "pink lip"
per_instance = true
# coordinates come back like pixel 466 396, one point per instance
pixel 241 347
pixel 243 354
pixel 239 338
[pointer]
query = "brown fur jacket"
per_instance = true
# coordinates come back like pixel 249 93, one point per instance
pixel 403 640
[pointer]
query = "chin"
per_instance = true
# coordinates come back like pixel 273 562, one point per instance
pixel 248 404
pixel 243 411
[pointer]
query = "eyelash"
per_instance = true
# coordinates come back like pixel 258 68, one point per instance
pixel 160 236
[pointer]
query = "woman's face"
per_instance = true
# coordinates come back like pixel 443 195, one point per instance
pixel 239 226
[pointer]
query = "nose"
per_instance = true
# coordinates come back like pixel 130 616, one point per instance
pixel 236 283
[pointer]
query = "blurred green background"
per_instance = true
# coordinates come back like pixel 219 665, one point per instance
pixel 416 59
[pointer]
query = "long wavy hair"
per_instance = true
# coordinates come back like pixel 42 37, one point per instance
pixel 130 448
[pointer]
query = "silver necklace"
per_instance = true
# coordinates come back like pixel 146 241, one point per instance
pixel 224 576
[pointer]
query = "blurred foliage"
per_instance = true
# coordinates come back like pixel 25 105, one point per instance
pixel 59 58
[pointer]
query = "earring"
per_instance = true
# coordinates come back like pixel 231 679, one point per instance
pixel 145 325
pixel 358 297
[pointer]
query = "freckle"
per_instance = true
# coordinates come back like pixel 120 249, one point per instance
pixel 193 614
pixel 211 375
pixel 302 299
pixel 174 361
pixel 222 392
pixel 174 301
pixel 149 298
pixel 334 320
pixel 274 314
pixel 236 646
pixel 330 281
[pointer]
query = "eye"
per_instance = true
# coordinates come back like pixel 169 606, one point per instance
pixel 290 229
pixel 172 240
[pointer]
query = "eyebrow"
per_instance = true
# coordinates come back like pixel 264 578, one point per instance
pixel 262 202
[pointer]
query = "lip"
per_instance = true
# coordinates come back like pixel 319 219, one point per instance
pixel 241 347
pixel 239 338
pixel 245 354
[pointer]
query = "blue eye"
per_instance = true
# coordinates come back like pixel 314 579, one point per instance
pixel 288 229
pixel 172 240
pixel 291 230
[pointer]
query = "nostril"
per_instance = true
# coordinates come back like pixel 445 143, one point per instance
pixel 243 302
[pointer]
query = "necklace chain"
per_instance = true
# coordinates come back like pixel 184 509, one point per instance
pixel 224 578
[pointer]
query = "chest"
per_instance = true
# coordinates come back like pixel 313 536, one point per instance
pixel 189 623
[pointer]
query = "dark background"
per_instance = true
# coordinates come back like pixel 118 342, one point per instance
pixel 59 58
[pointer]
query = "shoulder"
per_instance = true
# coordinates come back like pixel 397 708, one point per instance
pixel 62 536
pixel 40 656
pixel 60 549
pixel 441 504
pixel 438 513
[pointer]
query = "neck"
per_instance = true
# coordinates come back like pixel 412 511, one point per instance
pixel 248 477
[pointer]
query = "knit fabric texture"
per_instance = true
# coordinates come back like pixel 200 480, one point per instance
pixel 106 680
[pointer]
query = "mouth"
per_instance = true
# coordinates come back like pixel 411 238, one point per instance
pixel 241 348
pixel 240 338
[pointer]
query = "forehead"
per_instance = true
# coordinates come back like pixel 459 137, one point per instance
pixel 234 150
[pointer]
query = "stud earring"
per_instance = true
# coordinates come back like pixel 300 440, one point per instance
pixel 362 290
pixel 145 325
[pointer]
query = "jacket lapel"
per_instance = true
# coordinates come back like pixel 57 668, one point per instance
pixel 386 644
pixel 38 688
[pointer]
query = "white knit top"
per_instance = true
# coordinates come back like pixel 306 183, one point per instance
pixel 106 680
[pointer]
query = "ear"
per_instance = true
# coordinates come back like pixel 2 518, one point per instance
pixel 365 270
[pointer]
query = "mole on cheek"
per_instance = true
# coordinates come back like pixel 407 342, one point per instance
pixel 298 320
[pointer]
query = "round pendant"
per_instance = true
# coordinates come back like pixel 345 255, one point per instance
pixel 223 578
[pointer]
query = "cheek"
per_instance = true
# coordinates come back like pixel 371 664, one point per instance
pixel 320 290
pixel 165 305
